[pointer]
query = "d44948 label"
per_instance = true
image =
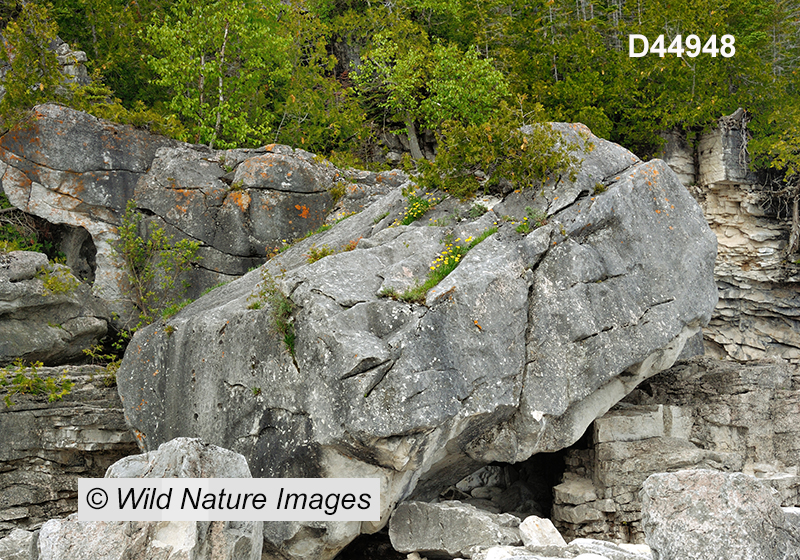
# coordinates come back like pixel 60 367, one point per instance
pixel 693 46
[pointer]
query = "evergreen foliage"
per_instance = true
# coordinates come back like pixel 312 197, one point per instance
pixel 328 75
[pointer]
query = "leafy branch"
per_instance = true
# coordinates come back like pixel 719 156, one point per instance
pixel 153 265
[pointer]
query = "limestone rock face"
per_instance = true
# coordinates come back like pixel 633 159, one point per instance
pixel 711 515
pixel 46 314
pixel 516 352
pixel 701 413
pixel 167 540
pixel 757 279
pixel 46 446
pixel 71 168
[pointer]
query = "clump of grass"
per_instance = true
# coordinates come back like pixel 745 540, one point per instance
pixel 442 265
pixel 316 253
pixel 281 308
pixel 477 211
pixel 599 188
pixel 535 219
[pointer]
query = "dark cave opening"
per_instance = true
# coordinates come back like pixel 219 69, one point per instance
pixel 522 489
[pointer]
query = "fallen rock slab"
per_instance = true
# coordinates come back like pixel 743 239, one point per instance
pixel 579 549
pixel 449 529
pixel 538 531
pixel 169 540
pixel 713 515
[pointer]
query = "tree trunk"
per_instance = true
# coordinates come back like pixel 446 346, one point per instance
pixel 794 236
pixel 413 143
pixel 219 87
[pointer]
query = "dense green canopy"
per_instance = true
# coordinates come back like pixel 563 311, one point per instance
pixel 329 75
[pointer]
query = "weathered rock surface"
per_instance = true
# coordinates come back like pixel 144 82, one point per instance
pixel 704 413
pixel 70 168
pixel 711 515
pixel 168 540
pixel 516 352
pixel 449 529
pixel 46 447
pixel 46 314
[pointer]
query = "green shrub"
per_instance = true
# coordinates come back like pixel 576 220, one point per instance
pixel 57 280
pixel 153 266
pixel 495 150
pixel 316 253
pixel 109 352
pixel 444 264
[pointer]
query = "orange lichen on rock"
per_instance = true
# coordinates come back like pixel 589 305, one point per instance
pixel 303 210
pixel 240 199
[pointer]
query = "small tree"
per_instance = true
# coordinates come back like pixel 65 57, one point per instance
pixel 33 76
pixel 218 58
pixel 512 145
pixel 153 265
pixel 431 84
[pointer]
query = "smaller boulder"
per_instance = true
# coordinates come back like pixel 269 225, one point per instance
pixel 46 314
pixel 19 545
pixel 713 515
pixel 168 540
pixel 538 531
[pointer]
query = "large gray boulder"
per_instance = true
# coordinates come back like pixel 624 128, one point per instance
pixel 712 515
pixel 516 352
pixel 46 314
pixel 164 540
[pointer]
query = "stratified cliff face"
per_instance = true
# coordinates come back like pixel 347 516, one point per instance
pixel 516 352
pixel 46 446
pixel 758 312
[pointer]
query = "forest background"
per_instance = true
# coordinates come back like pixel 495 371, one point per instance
pixel 330 76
